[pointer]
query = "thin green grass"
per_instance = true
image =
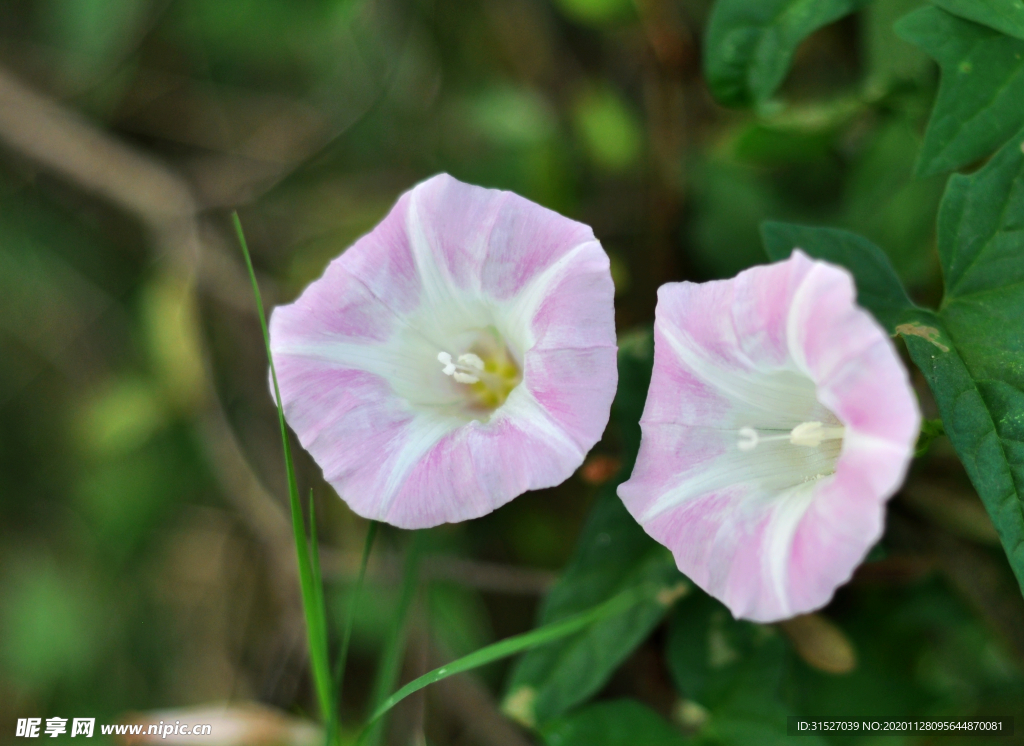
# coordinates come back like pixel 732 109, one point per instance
pixel 510 646
pixel 350 612
pixel 309 565
pixel 394 649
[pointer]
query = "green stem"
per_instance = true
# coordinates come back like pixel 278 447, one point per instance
pixel 930 430
pixel 350 612
pixel 391 661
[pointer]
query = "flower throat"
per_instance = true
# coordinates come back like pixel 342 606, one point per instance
pixel 487 370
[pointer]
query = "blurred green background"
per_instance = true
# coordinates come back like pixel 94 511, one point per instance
pixel 145 554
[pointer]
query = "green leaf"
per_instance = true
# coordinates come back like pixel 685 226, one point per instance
pixel 597 12
pixel 622 722
pixel 979 102
pixel 636 360
pixel 730 674
pixel 878 287
pixel 889 59
pixel 608 129
pixel 750 43
pixel 979 383
pixel 612 556
pixel 1002 15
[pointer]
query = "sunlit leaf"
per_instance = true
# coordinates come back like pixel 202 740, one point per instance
pixel 597 12
pixel 609 129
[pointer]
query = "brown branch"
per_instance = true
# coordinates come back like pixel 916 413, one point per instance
pixel 492 577
pixel 65 143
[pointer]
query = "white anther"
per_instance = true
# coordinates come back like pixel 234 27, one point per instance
pixel 806 434
pixel 471 360
pixel 464 370
pixel 811 434
pixel 446 360
pixel 748 439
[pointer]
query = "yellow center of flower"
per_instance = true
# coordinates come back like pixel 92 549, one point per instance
pixel 487 370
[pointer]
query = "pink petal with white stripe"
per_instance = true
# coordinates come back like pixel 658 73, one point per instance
pixel 778 422
pixel 460 354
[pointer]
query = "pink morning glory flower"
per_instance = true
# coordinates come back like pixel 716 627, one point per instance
pixel 778 422
pixel 460 354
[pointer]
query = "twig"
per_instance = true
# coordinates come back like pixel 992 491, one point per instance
pixel 484 576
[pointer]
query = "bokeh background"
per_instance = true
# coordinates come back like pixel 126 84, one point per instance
pixel 145 551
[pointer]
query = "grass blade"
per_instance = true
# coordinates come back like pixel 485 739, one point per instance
pixel 316 623
pixel 512 645
pixel 391 661
pixel 350 612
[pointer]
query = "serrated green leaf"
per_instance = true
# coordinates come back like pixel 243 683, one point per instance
pixel 750 43
pixel 878 287
pixel 1002 15
pixel 978 107
pixel 621 722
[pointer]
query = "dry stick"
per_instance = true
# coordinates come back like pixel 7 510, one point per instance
pixel 491 577
pixel 65 143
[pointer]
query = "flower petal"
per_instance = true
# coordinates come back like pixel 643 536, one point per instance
pixel 489 241
pixel 357 355
pixel 770 531
pixel 477 468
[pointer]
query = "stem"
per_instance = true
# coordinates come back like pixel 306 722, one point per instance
pixel 930 430
pixel 391 662
pixel 350 613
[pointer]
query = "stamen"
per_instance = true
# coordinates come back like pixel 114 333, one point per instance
pixel 809 434
pixel 489 372
pixel 465 370
pixel 473 361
